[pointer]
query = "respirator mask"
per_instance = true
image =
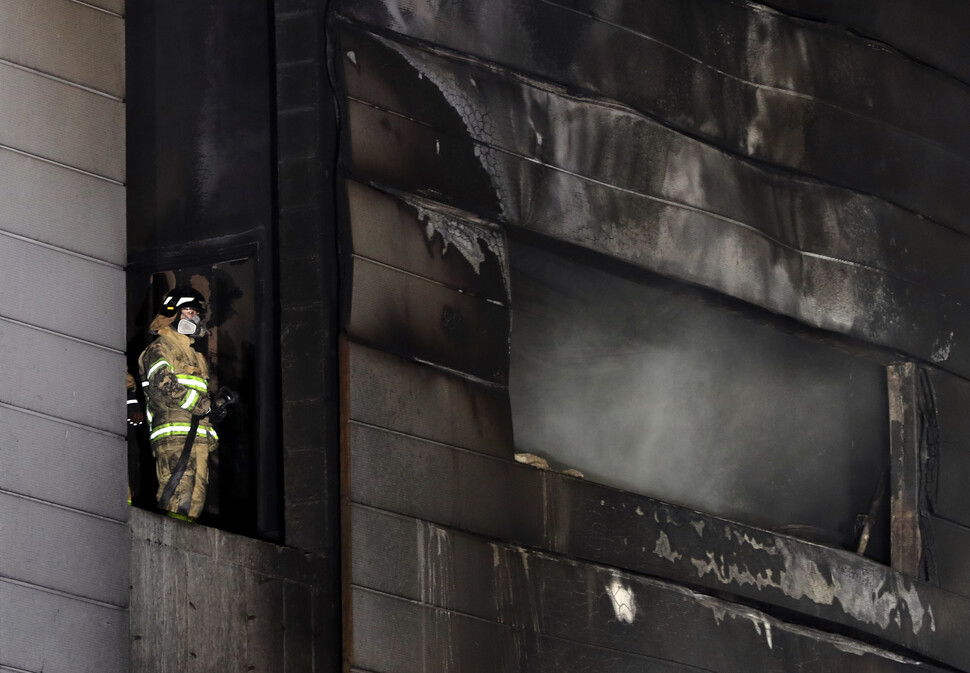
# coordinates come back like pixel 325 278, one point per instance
pixel 191 326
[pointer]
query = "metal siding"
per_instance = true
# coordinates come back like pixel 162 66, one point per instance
pixel 113 6
pixel 60 377
pixel 62 123
pixel 64 464
pixel 64 540
pixel 52 547
pixel 61 207
pixel 52 633
pixel 67 40
pixel 61 292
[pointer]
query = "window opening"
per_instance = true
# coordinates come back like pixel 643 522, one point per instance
pixel 670 391
pixel 230 347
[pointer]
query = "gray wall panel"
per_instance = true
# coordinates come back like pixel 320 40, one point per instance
pixel 63 464
pixel 65 39
pixel 64 550
pixel 61 207
pixel 46 632
pixel 114 6
pixel 63 378
pixel 61 292
pixel 61 122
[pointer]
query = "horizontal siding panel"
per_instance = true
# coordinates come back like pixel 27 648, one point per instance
pixel 395 636
pixel 59 377
pixel 631 152
pixel 62 123
pixel 412 316
pixel 43 632
pixel 933 31
pixel 61 207
pixel 419 236
pixel 565 599
pixel 769 49
pixel 63 464
pixel 682 243
pixel 805 135
pixel 415 399
pixel 67 40
pixel 503 500
pixel 61 292
pixel 63 550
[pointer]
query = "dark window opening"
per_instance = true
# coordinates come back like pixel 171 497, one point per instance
pixel 666 390
pixel 201 171
pixel 238 486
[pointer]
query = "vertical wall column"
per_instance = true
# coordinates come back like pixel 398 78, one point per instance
pixel 905 469
pixel 63 512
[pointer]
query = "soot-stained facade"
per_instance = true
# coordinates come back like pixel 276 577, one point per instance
pixel 571 335
pixel 710 253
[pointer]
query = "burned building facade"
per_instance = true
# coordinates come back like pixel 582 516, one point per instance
pixel 570 334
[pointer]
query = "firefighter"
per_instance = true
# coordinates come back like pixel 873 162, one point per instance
pixel 181 409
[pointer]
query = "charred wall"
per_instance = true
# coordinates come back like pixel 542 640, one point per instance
pixel 774 156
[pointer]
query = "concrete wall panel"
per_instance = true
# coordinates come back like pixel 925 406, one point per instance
pixel 60 377
pixel 63 464
pixel 67 40
pixel 61 207
pixel 47 632
pixel 61 292
pixel 230 603
pixel 62 123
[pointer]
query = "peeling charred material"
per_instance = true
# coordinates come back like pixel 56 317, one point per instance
pixel 819 254
pixel 905 468
pixel 545 510
pixel 533 603
pixel 606 143
pixel 428 240
pixel 785 115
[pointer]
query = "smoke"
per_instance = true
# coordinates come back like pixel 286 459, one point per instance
pixel 648 387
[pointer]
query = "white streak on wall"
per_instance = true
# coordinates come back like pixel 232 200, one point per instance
pixel 866 595
pixel 624 603
pixel 941 348
pixel 663 550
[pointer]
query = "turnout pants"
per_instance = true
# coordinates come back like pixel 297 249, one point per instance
pixel 189 496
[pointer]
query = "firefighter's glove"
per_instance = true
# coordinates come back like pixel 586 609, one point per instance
pixel 220 404
pixel 135 415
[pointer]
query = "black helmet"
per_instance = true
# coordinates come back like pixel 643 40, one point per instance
pixel 175 302
pixel 182 298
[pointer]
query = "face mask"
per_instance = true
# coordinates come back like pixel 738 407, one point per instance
pixel 191 327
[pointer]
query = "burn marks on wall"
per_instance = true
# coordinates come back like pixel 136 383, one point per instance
pixel 605 176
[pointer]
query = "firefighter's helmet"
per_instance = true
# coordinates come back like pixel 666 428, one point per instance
pixel 182 298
